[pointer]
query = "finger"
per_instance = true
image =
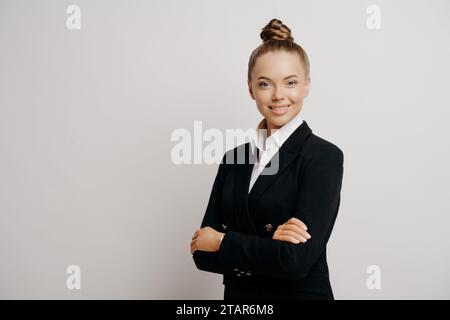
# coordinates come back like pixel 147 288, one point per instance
pixel 297 229
pixel 298 222
pixel 294 228
pixel 294 235
pixel 287 238
pixel 193 248
pixel 286 233
pixel 195 237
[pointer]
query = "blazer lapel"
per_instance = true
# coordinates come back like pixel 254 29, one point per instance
pixel 286 154
pixel 290 149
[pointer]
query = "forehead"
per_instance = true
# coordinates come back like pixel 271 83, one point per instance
pixel 278 64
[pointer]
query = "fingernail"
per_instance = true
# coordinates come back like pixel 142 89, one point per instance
pixel 297 241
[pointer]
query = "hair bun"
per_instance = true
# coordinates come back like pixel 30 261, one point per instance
pixel 276 30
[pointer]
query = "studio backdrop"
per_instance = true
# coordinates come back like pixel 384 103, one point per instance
pixel 94 96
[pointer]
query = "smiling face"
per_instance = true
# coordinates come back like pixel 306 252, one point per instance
pixel 278 85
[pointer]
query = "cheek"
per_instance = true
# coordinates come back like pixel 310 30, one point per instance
pixel 296 96
pixel 263 97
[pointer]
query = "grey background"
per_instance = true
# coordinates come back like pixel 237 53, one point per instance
pixel 86 117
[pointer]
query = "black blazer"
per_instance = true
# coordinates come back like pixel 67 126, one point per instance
pixel 307 185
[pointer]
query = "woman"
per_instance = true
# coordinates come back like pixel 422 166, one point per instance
pixel 269 218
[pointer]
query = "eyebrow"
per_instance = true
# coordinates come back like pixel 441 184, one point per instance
pixel 291 76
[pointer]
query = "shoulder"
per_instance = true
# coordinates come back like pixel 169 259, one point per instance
pixel 317 148
pixel 237 155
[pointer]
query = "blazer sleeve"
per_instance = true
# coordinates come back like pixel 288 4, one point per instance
pixel 209 261
pixel 317 206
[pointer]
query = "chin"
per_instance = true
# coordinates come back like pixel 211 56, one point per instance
pixel 279 121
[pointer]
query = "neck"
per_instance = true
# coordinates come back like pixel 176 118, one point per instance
pixel 270 127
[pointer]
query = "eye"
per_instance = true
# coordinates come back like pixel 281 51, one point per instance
pixel 292 82
pixel 263 84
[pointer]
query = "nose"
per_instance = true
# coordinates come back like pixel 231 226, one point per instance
pixel 278 94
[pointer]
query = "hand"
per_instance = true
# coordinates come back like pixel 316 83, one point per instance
pixel 294 231
pixel 206 239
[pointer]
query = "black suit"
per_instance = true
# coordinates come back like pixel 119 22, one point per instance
pixel 307 186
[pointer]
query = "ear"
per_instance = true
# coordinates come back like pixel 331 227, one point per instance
pixel 307 86
pixel 250 90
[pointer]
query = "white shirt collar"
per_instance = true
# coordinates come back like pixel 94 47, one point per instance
pixel 278 136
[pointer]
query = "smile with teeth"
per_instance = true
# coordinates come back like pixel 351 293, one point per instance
pixel 279 110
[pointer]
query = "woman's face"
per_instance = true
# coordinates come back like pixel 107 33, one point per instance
pixel 278 86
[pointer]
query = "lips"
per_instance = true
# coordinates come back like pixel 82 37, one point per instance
pixel 279 110
pixel 277 107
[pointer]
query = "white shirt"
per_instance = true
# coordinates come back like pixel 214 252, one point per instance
pixel 268 147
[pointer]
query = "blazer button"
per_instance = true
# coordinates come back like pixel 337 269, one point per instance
pixel 224 226
pixel 268 227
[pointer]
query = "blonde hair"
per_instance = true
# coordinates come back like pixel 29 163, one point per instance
pixel 276 36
